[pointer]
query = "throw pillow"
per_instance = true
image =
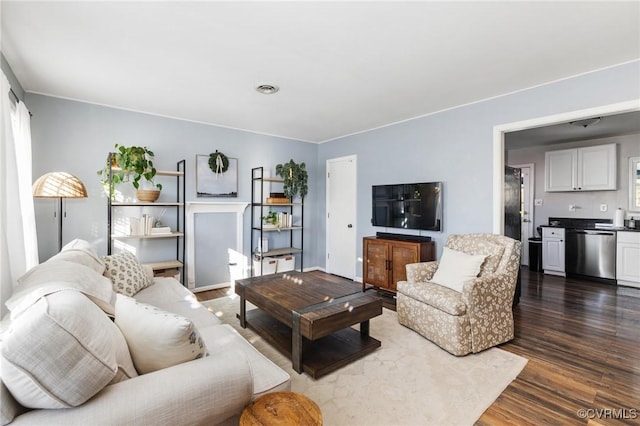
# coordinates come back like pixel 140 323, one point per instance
pixel 59 352
pixel 126 273
pixel 56 275
pixel 157 339
pixel 454 268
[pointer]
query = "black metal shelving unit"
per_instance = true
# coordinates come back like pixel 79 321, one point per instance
pixel 180 211
pixel 258 209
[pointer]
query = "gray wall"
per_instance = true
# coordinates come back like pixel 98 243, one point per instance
pixel 456 146
pixel 453 146
pixel 556 204
pixel 75 137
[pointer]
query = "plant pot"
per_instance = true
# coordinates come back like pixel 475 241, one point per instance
pixel 147 195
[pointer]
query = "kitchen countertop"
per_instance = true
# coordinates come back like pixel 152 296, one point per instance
pixel 591 228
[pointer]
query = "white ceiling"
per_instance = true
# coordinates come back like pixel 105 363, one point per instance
pixel 342 67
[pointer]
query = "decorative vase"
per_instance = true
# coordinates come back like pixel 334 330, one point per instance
pixel 147 195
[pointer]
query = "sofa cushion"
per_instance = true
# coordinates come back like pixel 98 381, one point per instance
pixel 56 275
pixel 59 352
pixel 456 267
pixel 157 339
pixel 168 294
pixel 267 376
pixel 82 252
pixel 126 273
pixel 440 297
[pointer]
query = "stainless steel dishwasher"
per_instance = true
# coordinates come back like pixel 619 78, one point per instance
pixel 591 253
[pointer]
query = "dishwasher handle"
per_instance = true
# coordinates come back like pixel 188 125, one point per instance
pixel 588 232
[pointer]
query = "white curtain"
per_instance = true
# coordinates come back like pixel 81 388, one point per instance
pixel 18 241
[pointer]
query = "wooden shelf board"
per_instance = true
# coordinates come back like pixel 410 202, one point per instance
pixel 293 228
pixel 282 251
pixel 131 237
pixel 158 172
pixel 142 204
pixel 168 264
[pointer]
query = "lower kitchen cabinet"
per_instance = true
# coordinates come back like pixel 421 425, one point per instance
pixel 385 260
pixel 553 244
pixel 628 259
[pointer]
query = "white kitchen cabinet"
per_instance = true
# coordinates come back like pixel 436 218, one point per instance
pixel 628 259
pixel 592 168
pixel 553 251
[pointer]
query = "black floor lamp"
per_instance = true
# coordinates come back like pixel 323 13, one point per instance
pixel 59 185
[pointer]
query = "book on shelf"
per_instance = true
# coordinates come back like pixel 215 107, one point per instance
pixel 145 225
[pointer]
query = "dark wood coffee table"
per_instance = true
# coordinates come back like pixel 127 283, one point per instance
pixel 308 317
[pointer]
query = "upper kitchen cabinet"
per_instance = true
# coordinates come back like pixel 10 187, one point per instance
pixel 592 168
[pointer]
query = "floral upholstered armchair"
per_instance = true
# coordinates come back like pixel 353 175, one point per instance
pixel 463 303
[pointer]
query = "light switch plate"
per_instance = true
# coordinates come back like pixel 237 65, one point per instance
pixel 603 207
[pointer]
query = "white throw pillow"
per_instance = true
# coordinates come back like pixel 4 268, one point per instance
pixel 126 273
pixel 456 267
pixel 56 275
pixel 59 352
pixel 157 339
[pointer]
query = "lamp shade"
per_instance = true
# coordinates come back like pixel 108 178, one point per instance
pixel 59 185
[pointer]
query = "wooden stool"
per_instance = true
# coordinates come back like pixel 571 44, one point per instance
pixel 281 408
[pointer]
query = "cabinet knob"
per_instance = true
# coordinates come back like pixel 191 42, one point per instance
pixel 349 226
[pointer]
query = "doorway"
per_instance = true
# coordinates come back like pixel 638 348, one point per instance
pixel 499 148
pixel 341 216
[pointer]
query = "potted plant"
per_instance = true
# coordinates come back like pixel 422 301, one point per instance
pixel 131 164
pixel 295 178
pixel 272 220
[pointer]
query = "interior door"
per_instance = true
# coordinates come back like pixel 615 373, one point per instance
pixel 512 203
pixel 527 179
pixel 341 217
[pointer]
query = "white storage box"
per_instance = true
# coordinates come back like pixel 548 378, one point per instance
pixel 286 263
pixel 269 266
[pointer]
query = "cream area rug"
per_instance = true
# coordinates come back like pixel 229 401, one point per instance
pixel 407 381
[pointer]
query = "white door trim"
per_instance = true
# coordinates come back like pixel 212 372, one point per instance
pixel 498 145
pixel 353 158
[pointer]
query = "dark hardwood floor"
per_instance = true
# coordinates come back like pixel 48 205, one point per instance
pixel 582 340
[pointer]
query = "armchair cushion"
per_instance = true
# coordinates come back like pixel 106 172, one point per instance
pixel 440 297
pixel 478 245
pixel 456 267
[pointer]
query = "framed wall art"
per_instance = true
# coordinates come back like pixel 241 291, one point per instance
pixel 216 181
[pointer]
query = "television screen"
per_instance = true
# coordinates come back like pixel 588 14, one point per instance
pixel 408 206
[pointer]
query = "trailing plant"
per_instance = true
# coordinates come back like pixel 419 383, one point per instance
pixel 295 178
pixel 130 164
pixel 271 218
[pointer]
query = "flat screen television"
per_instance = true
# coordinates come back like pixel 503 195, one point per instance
pixel 408 206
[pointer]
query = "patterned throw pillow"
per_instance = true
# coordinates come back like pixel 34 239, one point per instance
pixel 157 339
pixel 126 273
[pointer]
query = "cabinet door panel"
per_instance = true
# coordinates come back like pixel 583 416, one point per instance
pixel 560 170
pixel 375 271
pixel 597 168
pixel 628 262
pixel 401 255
